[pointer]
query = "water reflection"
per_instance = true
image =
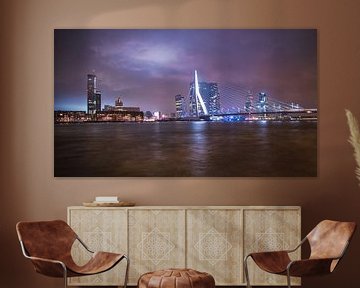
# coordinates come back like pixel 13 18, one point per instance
pixel 199 148
pixel 186 149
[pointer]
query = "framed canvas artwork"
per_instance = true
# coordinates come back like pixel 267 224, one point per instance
pixel 185 102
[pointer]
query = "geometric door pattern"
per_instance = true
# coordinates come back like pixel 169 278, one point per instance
pixel 100 230
pixel 214 241
pixel 156 240
pixel 209 239
pixel 271 230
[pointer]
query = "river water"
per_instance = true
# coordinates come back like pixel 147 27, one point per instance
pixel 199 148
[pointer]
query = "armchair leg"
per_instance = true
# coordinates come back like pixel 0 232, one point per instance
pixel 65 276
pixel 127 271
pixel 246 270
pixel 288 278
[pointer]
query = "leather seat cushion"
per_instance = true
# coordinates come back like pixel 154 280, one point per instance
pixel 176 278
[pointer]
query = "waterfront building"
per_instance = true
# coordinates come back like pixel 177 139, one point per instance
pixel 157 115
pixel 69 116
pixel 148 116
pixel 98 101
pixel 248 102
pixel 180 106
pixel 262 103
pixel 210 95
pixel 118 102
pixel 109 108
pixel 214 99
pixel 93 95
pixel 119 106
pixel 101 116
pixel 119 116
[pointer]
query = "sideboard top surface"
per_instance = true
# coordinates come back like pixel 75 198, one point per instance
pixel 192 207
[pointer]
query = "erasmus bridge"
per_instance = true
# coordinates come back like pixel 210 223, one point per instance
pixel 212 101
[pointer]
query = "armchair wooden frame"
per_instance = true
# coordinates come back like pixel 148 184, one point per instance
pixel 321 260
pixel 65 267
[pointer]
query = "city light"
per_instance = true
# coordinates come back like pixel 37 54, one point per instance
pixel 202 103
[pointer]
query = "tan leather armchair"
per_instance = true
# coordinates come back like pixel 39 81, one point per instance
pixel 48 245
pixel 328 242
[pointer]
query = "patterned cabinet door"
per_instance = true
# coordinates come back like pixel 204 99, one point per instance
pixel 214 244
pixel 270 230
pixel 101 230
pixel 156 240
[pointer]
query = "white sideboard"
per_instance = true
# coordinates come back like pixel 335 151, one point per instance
pixel 212 239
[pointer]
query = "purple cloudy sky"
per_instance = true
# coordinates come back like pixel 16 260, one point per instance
pixel 147 68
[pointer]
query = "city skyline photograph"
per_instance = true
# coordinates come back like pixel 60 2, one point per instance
pixel 185 102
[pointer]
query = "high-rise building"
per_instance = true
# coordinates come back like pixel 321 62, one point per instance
pixel 248 102
pixel 262 104
pixel 93 95
pixel 210 95
pixel 98 101
pixel 180 106
pixel 213 99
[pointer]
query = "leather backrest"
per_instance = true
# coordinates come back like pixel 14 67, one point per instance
pixel 329 238
pixel 46 239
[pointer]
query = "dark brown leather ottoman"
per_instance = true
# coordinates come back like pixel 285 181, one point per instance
pixel 176 278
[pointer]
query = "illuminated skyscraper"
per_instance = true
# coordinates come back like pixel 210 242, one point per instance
pixel 98 101
pixel 204 98
pixel 262 104
pixel 213 98
pixel 248 103
pixel 180 106
pixel 93 95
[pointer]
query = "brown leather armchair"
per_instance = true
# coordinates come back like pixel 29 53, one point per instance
pixel 328 242
pixel 48 245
